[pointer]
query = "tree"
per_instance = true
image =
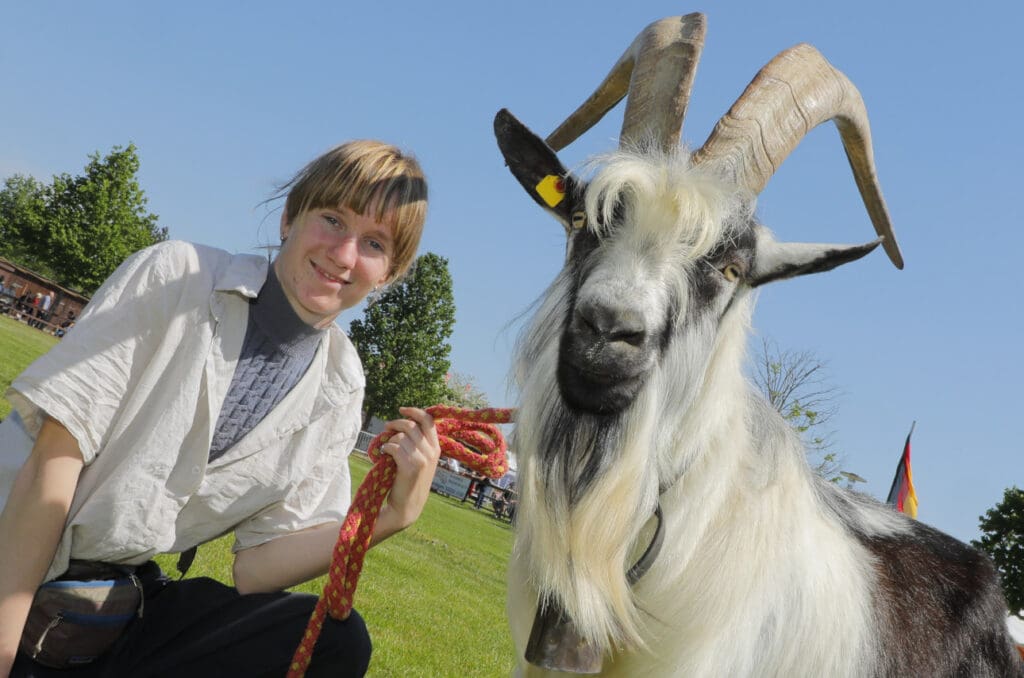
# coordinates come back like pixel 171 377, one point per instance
pixel 78 229
pixel 462 392
pixel 1003 539
pixel 98 219
pixel 23 222
pixel 403 340
pixel 795 384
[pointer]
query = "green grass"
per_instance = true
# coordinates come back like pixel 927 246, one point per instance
pixel 432 596
pixel 19 346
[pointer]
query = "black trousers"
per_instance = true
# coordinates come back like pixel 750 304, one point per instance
pixel 199 628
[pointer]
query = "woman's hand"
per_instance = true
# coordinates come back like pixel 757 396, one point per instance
pixel 415 448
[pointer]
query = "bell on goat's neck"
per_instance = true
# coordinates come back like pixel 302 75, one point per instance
pixel 554 643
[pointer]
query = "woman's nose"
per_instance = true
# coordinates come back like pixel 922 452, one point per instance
pixel 345 251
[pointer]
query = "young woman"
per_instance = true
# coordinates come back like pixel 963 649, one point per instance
pixel 203 393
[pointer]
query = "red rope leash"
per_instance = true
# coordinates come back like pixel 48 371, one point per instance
pixel 458 430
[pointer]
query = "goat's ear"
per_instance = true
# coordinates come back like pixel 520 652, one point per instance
pixel 778 260
pixel 536 167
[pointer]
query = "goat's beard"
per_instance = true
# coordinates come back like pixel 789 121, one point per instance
pixel 577 449
pixel 587 487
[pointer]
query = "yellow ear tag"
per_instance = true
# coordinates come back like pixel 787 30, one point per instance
pixel 551 189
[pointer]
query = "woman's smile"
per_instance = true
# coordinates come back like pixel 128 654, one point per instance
pixel 327 276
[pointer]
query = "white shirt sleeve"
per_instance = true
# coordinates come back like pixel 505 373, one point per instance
pixel 84 383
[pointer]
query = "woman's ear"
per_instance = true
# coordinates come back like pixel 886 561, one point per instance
pixel 285 226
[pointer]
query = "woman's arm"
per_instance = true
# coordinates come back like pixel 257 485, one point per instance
pixel 31 526
pixel 295 558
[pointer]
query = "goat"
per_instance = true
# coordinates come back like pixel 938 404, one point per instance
pixel 635 418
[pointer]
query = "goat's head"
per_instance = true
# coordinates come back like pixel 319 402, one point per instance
pixel 660 240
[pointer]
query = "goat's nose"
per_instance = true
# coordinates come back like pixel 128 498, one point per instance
pixel 610 323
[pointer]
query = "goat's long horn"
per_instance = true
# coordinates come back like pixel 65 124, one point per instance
pixel 794 93
pixel 657 73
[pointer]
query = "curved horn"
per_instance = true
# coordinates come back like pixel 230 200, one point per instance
pixel 657 72
pixel 794 93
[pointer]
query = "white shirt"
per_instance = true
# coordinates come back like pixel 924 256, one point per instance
pixel 140 385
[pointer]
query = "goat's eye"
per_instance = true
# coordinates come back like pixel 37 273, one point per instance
pixel 579 220
pixel 732 272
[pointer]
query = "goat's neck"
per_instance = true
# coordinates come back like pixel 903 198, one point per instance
pixel 710 419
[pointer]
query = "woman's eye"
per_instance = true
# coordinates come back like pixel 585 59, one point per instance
pixel 333 221
pixel 732 272
pixel 376 245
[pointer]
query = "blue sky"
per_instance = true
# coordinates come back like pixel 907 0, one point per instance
pixel 225 100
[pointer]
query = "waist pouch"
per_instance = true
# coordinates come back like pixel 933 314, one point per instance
pixel 77 617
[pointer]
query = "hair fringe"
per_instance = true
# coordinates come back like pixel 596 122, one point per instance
pixel 688 205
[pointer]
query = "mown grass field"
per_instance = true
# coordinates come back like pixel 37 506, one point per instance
pixel 19 346
pixel 433 596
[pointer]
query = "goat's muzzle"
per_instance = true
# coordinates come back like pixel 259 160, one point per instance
pixel 604 357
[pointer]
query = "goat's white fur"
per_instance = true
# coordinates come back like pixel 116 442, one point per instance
pixel 696 423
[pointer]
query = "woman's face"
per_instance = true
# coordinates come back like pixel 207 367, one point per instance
pixel 331 259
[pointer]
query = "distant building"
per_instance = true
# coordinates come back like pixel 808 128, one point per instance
pixel 20 282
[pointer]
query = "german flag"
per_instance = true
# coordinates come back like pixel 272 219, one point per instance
pixel 902 494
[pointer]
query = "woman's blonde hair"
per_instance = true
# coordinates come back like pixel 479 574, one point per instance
pixel 372 179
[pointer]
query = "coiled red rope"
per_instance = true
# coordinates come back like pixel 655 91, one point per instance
pixel 468 436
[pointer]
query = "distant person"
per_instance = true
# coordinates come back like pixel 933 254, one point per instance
pixel 142 432
pixel 33 310
pixel 498 500
pixel 43 313
pixel 68 323
pixel 30 302
pixel 481 491
pixel 23 305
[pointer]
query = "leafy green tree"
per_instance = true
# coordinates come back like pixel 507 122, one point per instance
pixel 97 219
pixel 462 392
pixel 78 229
pixel 23 222
pixel 796 385
pixel 1003 539
pixel 403 340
